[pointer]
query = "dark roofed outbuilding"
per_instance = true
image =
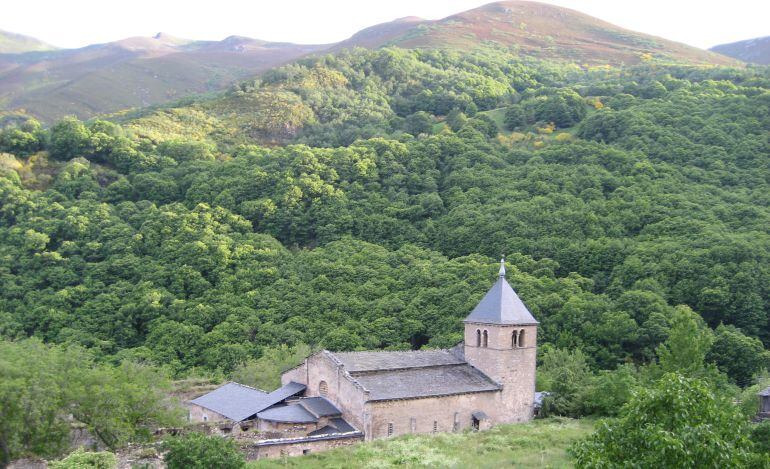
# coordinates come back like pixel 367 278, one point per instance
pixel 239 402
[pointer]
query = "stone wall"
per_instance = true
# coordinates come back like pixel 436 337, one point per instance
pixel 297 448
pixel 341 389
pixel 197 413
pixel 297 374
pixel 444 414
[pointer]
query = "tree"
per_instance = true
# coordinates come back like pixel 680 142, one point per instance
pixel 564 108
pixel 198 451
pixel 688 342
pixel 515 117
pixel 679 422
pixel 564 374
pixel 70 138
pixel 265 372
pixel 456 119
pixel 484 124
pixel 117 404
pixel 737 355
pixel 419 123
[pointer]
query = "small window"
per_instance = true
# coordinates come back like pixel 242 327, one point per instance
pixel 205 417
pixel 390 429
pixel 521 338
pixel 305 451
pixel 323 388
pixel 435 426
pixel 478 338
pixel 485 339
pixel 515 339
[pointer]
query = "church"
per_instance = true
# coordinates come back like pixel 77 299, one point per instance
pixel 337 398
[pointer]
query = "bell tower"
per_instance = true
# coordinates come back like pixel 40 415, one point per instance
pixel 501 341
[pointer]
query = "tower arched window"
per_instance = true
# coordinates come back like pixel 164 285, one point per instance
pixel 485 339
pixel 323 388
pixel 521 338
pixel 515 339
pixel 478 337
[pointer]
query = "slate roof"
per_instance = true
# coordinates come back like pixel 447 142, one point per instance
pixel 234 401
pixel 394 360
pixel 292 413
pixel 501 305
pixel 284 392
pixel 424 382
pixel 238 402
pixel 335 426
pixel 764 392
pixel 319 406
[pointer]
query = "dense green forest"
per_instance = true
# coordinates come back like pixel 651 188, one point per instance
pixel 361 201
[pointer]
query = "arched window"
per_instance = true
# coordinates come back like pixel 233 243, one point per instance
pixel 521 338
pixel 323 388
pixel 485 339
pixel 515 339
pixel 478 338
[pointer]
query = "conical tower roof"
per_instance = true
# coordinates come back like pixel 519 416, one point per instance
pixel 501 305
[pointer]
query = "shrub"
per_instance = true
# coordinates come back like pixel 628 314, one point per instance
pixel 196 450
pixel 82 459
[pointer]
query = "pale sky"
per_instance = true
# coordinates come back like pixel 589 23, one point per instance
pixel 76 23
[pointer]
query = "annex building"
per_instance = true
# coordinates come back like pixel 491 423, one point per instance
pixel 338 398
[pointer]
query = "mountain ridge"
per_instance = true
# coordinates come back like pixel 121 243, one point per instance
pixel 137 72
pixel 755 50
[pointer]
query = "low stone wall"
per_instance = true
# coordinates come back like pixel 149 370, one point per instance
pixel 285 447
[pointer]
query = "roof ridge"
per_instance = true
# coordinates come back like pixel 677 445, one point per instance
pixel 404 368
pixel 247 386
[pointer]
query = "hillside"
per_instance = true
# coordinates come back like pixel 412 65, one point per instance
pixel 12 43
pixel 138 72
pixel 133 72
pixel 755 50
pixel 535 29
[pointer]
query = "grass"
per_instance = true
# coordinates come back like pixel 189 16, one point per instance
pixel 539 444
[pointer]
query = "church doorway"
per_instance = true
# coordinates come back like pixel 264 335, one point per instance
pixel 475 423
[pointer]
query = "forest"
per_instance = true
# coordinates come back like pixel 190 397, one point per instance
pixel 362 201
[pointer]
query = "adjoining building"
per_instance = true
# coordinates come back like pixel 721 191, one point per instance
pixel 336 398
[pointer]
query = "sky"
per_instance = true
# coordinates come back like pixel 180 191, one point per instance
pixel 76 23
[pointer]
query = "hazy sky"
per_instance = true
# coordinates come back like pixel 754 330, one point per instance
pixel 75 23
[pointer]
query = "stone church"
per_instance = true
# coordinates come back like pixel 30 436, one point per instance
pixel 337 398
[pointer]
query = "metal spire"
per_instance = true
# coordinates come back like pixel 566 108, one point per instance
pixel 502 267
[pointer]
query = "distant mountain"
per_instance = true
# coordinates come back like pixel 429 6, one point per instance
pixel 12 43
pixel 133 72
pixel 537 29
pixel 142 71
pixel 755 50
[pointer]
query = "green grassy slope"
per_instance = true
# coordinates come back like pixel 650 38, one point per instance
pixel 539 444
